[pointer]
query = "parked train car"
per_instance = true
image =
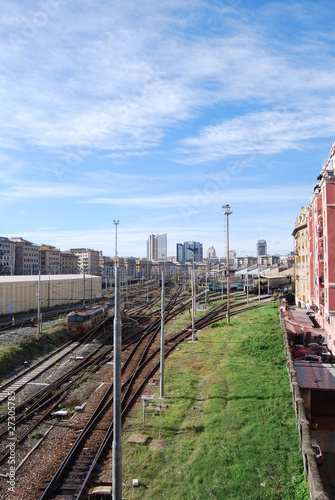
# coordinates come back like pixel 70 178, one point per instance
pixel 214 287
pixel 81 322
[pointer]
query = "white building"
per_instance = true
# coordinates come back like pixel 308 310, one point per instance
pixel 20 293
pixel 88 260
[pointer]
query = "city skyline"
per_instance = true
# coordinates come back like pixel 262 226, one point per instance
pixel 156 245
pixel 157 115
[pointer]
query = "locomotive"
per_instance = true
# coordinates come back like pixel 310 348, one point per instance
pixel 81 322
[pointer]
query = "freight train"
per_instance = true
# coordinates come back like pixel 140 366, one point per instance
pixel 81 322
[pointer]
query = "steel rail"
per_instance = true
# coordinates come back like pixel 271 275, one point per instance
pixel 127 385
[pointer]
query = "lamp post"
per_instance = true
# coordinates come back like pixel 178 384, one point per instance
pixel 227 210
pixel 117 444
pixel 116 224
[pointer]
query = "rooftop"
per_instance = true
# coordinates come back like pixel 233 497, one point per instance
pixel 44 277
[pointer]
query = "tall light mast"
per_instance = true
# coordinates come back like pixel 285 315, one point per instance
pixel 227 210
pixel 116 222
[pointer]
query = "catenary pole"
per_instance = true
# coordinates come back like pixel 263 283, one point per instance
pixel 84 287
pixel 39 319
pixel 162 341
pixel 193 304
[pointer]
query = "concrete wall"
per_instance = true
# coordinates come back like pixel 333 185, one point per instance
pixel 312 475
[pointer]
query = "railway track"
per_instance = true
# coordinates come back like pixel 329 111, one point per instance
pixel 70 473
pixel 19 381
pixel 23 320
pixel 39 408
pixel 72 478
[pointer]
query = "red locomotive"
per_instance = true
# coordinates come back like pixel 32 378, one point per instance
pixel 81 322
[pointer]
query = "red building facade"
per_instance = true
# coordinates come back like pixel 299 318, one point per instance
pixel 321 228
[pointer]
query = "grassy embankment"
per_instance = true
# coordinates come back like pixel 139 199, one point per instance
pixel 229 425
pixel 30 347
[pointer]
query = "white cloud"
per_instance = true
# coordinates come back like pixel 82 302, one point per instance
pixel 197 200
pixel 38 191
pixel 159 112
pixel 102 87
pixel 265 132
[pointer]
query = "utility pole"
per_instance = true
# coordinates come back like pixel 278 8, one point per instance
pixel 162 340
pixel 227 210
pixel 147 279
pixel 117 445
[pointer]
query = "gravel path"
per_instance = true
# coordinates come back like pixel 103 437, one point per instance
pixel 13 336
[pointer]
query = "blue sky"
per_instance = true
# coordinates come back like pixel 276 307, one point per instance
pixel 157 114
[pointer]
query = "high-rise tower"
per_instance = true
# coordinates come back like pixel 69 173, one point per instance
pixel 157 247
pixel 261 248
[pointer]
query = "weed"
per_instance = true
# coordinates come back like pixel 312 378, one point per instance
pixel 229 422
pixel 35 435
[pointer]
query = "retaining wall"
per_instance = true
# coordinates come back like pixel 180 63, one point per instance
pixel 312 475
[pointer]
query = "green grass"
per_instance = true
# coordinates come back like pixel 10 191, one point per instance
pixel 230 424
pixel 12 356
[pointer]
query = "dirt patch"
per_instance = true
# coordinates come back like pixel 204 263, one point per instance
pixel 158 445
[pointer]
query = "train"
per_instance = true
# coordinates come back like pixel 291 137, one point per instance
pixel 83 321
pixel 214 287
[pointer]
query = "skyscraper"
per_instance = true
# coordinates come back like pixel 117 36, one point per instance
pixel 211 253
pixel 261 248
pixel 157 247
pixel 180 252
pixel 189 251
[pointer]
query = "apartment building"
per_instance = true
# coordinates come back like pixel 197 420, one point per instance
pixel 106 265
pixel 245 261
pixel 26 256
pixel 322 248
pixel 143 268
pixel 68 263
pixel 302 250
pixel 88 260
pixel 49 259
pixel 315 258
pixel 130 265
pixel 7 256
pixel 268 260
